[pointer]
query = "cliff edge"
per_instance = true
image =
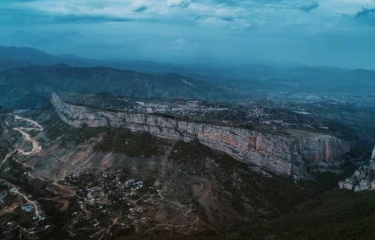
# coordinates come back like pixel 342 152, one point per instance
pixel 285 155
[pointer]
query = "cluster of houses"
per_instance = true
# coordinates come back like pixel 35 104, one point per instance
pixel 211 111
pixel 178 108
pixel 108 194
pixel 232 114
pixel 20 209
pixel 363 178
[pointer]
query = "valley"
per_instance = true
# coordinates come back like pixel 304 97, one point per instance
pixel 70 171
pixel 103 193
pixel 167 151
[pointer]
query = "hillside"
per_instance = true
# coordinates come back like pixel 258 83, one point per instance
pixel 25 87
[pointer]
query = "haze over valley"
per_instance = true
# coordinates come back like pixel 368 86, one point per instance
pixel 88 139
pixel 186 119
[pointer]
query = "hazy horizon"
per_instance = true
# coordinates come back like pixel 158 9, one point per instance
pixel 306 33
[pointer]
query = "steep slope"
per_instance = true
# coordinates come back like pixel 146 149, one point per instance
pixel 77 183
pixel 287 155
pixel 338 214
pixel 62 182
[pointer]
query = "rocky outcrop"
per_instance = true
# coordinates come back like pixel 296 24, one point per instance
pixel 363 178
pixel 279 154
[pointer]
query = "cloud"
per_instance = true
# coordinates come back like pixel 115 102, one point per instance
pixel 365 12
pixel 241 15
pixel 183 44
pixel 179 3
pixel 309 7
pixel 141 9
pixel 232 14
pixel 192 30
pixel 228 2
pixel 91 19
pixel 228 19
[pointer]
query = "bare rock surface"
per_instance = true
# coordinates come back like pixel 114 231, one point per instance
pixel 285 155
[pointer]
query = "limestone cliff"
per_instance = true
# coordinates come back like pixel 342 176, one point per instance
pixel 287 155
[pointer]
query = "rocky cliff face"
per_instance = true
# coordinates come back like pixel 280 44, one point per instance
pixel 279 154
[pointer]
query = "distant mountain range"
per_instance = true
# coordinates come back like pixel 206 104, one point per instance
pixel 24 87
pixel 27 76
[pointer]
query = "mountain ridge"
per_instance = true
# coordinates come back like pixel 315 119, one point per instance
pixel 42 80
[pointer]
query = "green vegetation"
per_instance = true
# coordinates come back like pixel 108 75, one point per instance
pixel 3 150
pixel 189 151
pixel 274 195
pixel 132 144
pixel 342 131
pixel 164 115
pixel 247 126
pixel 327 181
pixel 337 215
pixel 55 129
pixel 239 197
pixel 261 206
pixel 143 237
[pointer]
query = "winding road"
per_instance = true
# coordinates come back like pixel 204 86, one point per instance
pixel 36 148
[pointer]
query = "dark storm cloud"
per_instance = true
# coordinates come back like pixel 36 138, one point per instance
pixel 227 19
pixel 365 12
pixel 141 9
pixel 309 7
pixel 196 30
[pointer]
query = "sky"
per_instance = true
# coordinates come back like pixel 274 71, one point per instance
pixel 337 33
